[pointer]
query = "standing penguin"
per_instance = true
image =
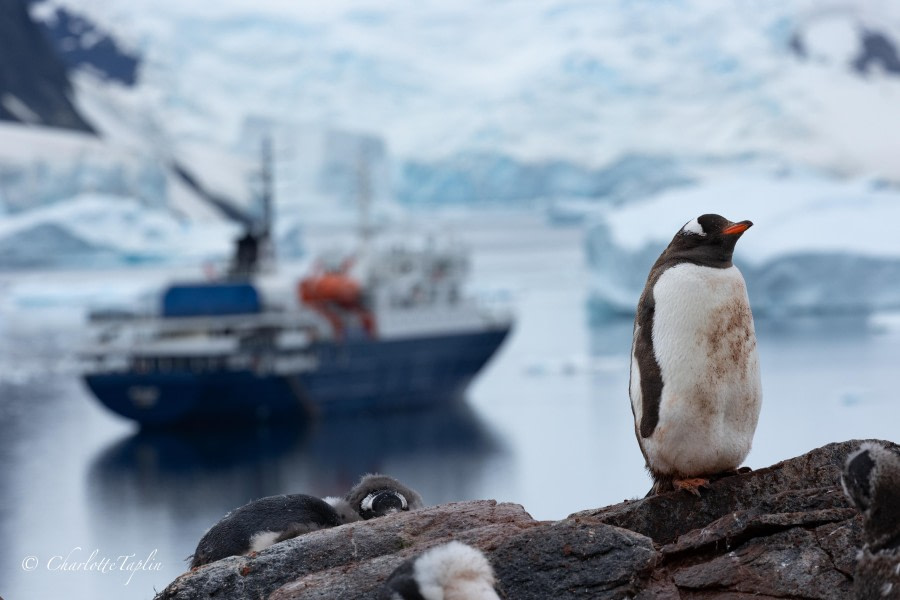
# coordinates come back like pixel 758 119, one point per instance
pixel 695 387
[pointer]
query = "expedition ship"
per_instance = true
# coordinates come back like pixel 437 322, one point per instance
pixel 391 330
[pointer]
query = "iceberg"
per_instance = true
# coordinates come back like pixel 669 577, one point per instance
pixel 818 245
pixel 473 179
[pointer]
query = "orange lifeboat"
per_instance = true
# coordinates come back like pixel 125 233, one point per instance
pixel 332 294
pixel 334 288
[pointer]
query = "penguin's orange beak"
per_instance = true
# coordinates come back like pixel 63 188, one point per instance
pixel 737 228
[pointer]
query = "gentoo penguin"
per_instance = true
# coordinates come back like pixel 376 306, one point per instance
pixel 694 386
pixel 378 495
pixel 871 481
pixel 262 523
pixel 452 571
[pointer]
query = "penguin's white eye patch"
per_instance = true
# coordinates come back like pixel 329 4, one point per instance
pixel 383 502
pixel 694 227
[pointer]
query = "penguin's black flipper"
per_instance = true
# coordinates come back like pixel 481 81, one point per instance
pixel 651 383
pixel 261 523
pixel 402 582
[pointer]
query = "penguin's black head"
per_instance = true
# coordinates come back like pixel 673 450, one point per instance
pixel 379 495
pixel 871 481
pixel 451 570
pixel 709 240
pixel 857 478
pixel 382 502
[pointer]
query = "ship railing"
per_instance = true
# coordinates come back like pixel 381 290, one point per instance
pixel 140 363
pixel 157 326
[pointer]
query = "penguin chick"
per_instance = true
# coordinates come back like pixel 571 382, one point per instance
pixel 452 571
pixel 261 523
pixel 877 575
pixel 694 385
pixel 345 512
pixel 378 495
pixel 871 481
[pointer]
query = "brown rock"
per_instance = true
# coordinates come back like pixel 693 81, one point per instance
pixel 667 516
pixel 342 548
pixel 781 532
pixel 574 558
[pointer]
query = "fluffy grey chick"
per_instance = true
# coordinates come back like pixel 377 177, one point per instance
pixel 452 571
pixel 345 512
pixel 378 495
pixel 871 480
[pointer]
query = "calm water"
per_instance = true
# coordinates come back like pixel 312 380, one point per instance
pixel 547 425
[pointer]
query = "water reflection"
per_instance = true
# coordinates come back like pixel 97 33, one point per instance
pixel 200 476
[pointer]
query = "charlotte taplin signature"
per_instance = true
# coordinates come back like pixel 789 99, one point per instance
pixel 76 561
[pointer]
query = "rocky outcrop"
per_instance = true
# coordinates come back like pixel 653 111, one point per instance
pixel 785 531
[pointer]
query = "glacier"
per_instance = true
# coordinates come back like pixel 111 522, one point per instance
pixel 580 108
pixel 819 245
pixel 476 104
pixel 580 82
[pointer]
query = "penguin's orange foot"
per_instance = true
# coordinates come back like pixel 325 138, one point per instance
pixel 692 485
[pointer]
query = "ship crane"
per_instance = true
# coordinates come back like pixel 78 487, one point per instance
pixel 255 242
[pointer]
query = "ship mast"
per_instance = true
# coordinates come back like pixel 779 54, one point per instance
pixel 266 188
pixel 364 190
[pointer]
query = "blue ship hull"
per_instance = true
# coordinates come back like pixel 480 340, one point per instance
pixel 355 376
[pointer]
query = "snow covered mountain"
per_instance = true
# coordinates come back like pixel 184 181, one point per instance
pixel 584 82
pixel 468 102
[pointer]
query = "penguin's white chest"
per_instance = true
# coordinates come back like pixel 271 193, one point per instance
pixel 705 345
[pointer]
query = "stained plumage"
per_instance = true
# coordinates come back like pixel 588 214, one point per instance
pixel 452 571
pixel 695 386
pixel 871 480
pixel 261 523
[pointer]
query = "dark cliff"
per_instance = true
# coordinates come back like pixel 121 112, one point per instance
pixel 34 82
